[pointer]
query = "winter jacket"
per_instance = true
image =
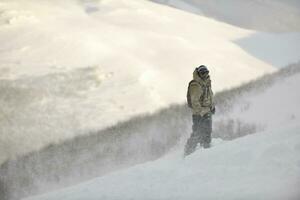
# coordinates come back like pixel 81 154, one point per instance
pixel 201 95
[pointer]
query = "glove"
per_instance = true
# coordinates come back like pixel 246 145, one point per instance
pixel 213 110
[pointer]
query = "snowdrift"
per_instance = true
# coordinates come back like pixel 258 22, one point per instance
pixel 149 137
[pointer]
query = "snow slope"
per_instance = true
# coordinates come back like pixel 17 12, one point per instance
pixel 271 109
pixel 277 23
pixel 258 166
pixel 263 166
pixel 68 67
pixel 262 15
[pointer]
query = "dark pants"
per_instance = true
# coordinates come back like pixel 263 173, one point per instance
pixel 202 128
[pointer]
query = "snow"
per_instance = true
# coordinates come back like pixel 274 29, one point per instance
pixel 65 72
pixel 262 15
pixel 265 165
pixel 71 67
pixel 275 49
pixel 270 109
pixel 261 166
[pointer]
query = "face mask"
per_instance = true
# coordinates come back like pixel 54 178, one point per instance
pixel 204 75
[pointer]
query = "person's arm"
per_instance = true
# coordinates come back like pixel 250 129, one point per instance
pixel 196 93
pixel 213 106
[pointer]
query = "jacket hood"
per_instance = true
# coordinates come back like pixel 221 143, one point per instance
pixel 197 78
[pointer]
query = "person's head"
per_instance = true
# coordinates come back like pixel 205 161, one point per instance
pixel 202 71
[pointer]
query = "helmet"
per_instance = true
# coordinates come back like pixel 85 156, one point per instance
pixel 202 69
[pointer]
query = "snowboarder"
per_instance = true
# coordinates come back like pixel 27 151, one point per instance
pixel 200 100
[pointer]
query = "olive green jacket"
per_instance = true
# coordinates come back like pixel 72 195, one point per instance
pixel 201 95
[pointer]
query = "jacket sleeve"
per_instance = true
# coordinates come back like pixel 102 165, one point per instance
pixel 196 93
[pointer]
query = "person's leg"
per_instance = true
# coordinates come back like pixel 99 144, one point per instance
pixel 206 129
pixel 194 139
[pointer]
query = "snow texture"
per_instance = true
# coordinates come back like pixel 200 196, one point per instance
pixel 262 15
pixel 66 72
pixel 74 67
pixel 261 166
pixel 264 165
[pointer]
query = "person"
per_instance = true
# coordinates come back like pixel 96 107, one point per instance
pixel 200 100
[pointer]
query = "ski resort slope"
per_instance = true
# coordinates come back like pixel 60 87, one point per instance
pixel 262 166
pixel 69 67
